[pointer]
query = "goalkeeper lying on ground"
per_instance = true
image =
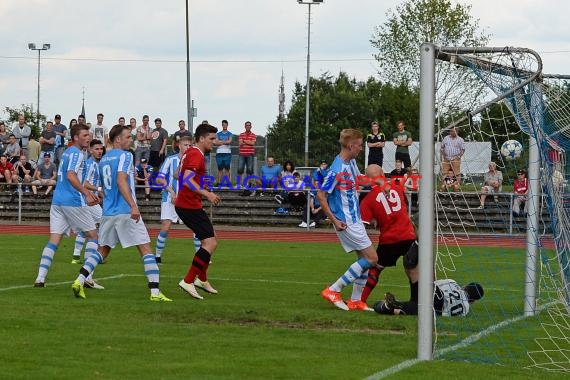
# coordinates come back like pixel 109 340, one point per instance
pixel 449 300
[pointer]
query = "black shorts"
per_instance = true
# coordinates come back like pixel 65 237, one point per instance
pixel 198 221
pixel 388 254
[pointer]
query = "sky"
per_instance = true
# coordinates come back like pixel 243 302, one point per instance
pixel 129 56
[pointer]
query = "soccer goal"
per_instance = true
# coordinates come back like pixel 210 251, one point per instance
pixel 522 259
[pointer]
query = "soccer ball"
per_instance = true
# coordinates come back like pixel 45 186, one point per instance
pixel 511 149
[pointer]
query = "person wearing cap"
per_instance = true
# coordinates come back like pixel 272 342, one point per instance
pixel 520 188
pixel 320 173
pixel 61 132
pixel 143 172
pixel 158 144
pixel 47 139
pixel 44 175
pixel 449 300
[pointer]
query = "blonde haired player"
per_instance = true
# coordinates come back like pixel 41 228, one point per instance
pixel 338 197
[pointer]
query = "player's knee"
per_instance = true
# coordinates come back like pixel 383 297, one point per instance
pixel 411 257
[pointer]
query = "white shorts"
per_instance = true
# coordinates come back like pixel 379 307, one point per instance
pixel 122 229
pixel 490 189
pixel 62 219
pixel 167 212
pixel 354 237
pixel 96 213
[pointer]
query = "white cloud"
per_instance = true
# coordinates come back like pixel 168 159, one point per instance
pixel 220 30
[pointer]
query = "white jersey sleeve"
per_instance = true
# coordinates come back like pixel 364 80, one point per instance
pixel 455 300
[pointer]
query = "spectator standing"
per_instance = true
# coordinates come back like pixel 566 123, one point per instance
pixel 402 140
pixel 22 132
pixel 520 188
pixel 247 141
pixel 100 131
pixel 144 137
pixel 224 152
pixel 320 174
pixel 181 132
pixel 452 149
pixel 44 175
pixel 4 135
pixel 121 121
pixel 375 141
pixel 47 139
pixel 34 150
pixel 61 132
pixel 492 183
pixel 158 144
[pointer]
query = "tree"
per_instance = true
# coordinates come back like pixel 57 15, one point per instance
pixel 338 103
pixel 29 114
pixel 417 21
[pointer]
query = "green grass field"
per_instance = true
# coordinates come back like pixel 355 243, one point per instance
pixel 267 322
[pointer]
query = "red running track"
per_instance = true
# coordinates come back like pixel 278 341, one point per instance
pixel 312 236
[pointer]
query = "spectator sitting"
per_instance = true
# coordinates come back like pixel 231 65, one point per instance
pixel 6 170
pixel 398 175
pixel 492 183
pixel 12 149
pixel 450 182
pixel 286 180
pixel 44 175
pixel 315 216
pixel 320 173
pixel 296 196
pixel 270 175
pixel 24 172
pixel 520 187
pixel 143 174
pixel 412 186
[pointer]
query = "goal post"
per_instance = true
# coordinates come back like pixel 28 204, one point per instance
pixel 516 101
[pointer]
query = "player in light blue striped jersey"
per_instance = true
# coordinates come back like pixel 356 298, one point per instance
pixel 70 203
pixel 167 179
pixel 121 221
pixel 92 182
pixel 338 197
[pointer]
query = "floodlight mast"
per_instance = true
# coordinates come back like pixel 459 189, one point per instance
pixel 32 46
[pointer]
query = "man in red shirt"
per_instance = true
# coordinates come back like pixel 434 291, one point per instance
pixel 246 151
pixel 387 205
pixel 520 187
pixel 6 169
pixel 188 206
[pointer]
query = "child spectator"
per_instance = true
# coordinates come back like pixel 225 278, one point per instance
pixel 450 182
pixel 143 174
pixel 412 186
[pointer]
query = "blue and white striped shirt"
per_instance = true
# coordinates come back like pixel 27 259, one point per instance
pixel 340 183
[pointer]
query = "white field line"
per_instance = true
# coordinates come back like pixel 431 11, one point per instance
pixel 49 284
pixel 464 343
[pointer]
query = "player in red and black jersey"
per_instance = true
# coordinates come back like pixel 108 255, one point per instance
pixel 387 205
pixel 188 206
